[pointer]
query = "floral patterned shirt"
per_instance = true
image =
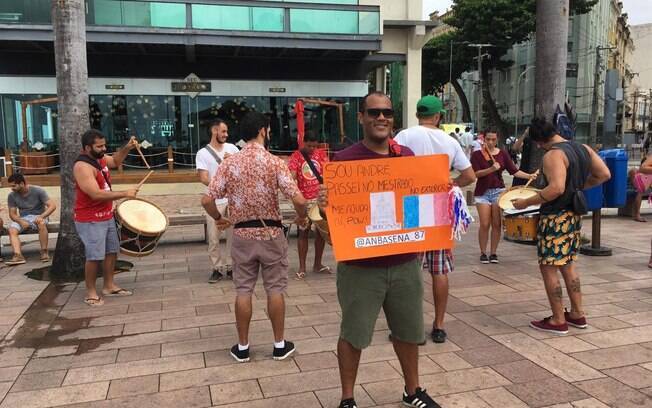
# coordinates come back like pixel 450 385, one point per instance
pixel 251 181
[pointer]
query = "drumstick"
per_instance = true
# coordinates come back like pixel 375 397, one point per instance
pixel 144 180
pixel 142 156
pixel 536 174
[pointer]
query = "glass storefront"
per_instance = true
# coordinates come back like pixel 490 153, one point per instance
pixel 170 14
pixel 178 121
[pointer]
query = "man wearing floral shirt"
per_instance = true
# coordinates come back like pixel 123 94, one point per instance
pixel 251 181
pixel 308 183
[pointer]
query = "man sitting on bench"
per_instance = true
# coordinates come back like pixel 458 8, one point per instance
pixel 34 206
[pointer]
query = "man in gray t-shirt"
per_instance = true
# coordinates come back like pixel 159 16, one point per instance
pixel 29 208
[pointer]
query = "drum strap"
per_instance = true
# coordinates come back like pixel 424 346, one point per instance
pixel 318 176
pixel 86 159
pixel 214 154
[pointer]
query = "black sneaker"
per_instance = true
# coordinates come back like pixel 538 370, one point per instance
pixel 420 399
pixel 484 259
pixel 216 276
pixel 241 356
pixel 493 259
pixel 283 353
pixel 229 272
pixel 438 335
pixel 348 403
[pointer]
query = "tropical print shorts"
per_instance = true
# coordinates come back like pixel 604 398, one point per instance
pixel 558 238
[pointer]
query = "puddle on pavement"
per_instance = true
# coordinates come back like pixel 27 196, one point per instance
pixel 43 273
pixel 33 330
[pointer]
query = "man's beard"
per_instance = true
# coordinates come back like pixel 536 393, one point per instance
pixel 96 155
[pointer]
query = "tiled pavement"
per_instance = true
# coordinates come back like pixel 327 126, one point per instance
pixel 167 345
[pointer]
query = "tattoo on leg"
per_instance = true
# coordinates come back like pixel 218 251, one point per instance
pixel 575 286
pixel 557 292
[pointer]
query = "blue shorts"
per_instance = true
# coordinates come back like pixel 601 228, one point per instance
pixel 30 220
pixel 99 238
pixel 490 196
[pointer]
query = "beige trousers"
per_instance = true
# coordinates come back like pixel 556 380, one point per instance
pixel 220 257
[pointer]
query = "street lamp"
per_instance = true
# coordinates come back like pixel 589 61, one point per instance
pixel 518 88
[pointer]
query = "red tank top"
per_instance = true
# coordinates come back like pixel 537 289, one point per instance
pixel 88 210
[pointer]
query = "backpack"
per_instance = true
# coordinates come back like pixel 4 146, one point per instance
pixel 563 124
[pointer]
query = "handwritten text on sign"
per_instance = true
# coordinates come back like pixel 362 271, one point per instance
pixel 388 206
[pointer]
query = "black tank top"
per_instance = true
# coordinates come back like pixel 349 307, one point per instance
pixel 576 174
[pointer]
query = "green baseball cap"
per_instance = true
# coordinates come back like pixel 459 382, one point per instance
pixel 430 105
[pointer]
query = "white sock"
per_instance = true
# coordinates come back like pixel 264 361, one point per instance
pixel 243 348
pixel 280 344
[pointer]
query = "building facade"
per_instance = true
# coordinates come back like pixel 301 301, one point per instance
pixel 164 70
pixel 640 95
pixel 513 88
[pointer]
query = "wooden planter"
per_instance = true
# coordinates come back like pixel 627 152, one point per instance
pixel 38 162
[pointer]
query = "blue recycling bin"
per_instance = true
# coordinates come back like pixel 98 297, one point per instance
pixel 594 198
pixel 615 190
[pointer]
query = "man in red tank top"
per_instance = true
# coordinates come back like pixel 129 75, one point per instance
pixel 94 212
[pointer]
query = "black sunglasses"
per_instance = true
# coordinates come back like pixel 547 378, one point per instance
pixel 375 113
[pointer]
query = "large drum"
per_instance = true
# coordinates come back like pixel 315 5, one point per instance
pixel 140 226
pixel 519 225
pixel 521 228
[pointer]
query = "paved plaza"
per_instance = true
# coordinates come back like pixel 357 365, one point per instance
pixel 167 346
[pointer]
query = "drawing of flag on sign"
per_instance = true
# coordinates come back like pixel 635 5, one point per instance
pixel 425 210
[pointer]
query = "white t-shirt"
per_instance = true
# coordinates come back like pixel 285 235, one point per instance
pixel 425 141
pixel 466 139
pixel 206 161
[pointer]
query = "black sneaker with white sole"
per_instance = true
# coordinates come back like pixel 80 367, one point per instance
pixel 348 403
pixel 283 353
pixel 484 259
pixel 241 356
pixel 420 399
pixel 493 259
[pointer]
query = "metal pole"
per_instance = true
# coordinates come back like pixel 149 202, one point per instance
pixel 450 83
pixel 593 134
pixel 480 83
pixel 518 89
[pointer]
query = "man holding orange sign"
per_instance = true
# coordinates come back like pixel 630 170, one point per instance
pixel 392 282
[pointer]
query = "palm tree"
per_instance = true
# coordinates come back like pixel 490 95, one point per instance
pixel 69 25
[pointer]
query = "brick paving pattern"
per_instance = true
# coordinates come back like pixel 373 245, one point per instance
pixel 167 346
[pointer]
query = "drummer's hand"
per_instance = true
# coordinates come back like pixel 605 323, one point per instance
pixel 133 143
pixel 222 224
pixel 322 199
pixel 496 166
pixel 520 204
pixel 131 193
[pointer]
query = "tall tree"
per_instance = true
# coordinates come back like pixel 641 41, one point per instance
pixel 551 62
pixel 501 23
pixel 68 22
pixel 437 59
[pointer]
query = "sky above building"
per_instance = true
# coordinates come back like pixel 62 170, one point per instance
pixel 639 11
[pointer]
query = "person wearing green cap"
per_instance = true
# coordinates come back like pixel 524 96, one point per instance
pixel 428 139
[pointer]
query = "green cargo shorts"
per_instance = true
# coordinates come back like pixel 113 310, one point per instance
pixel 363 291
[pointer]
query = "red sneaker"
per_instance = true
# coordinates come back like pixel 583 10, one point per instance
pixel 546 326
pixel 579 323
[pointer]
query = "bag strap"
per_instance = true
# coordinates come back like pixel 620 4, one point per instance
pixel 308 160
pixel 86 159
pixel 214 154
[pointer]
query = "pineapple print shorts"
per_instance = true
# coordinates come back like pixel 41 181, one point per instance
pixel 558 238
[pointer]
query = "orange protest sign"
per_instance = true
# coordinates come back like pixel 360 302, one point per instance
pixel 388 206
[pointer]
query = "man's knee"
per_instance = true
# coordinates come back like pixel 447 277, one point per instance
pixel 13 232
